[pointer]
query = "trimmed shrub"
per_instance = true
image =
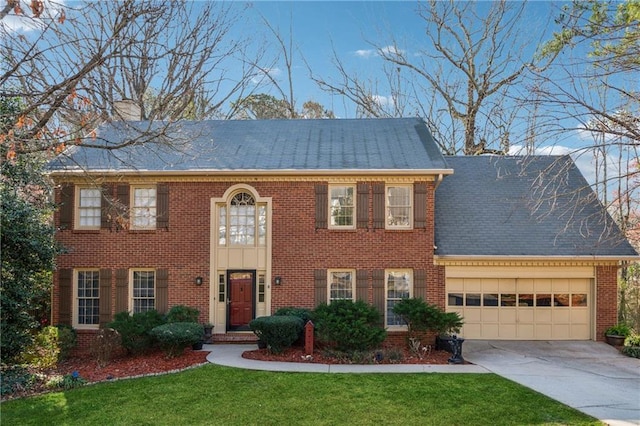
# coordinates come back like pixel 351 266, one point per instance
pixel 50 345
pixel 632 346
pixel 418 315
pixel 277 332
pixel 182 313
pixel 15 378
pixel 67 340
pixel 135 330
pixel 303 313
pixel 350 326
pixel 175 336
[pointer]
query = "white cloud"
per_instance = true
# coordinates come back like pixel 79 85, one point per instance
pixel 365 53
pixel 383 100
pixel 391 51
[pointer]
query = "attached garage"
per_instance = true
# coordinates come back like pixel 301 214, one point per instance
pixel 525 303
pixel 526 249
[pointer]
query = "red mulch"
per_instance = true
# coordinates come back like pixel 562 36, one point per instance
pixel 297 354
pixel 130 366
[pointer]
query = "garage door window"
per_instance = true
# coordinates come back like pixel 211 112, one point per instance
pixel 520 300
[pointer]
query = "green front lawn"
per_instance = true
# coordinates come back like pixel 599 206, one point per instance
pixel 228 396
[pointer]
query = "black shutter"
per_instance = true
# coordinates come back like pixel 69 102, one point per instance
pixel 65 287
pixel 362 206
pixel 378 206
pixel 122 290
pixel 105 297
pixel 105 206
pixel 362 285
pixel 420 205
pixel 420 284
pixel 66 206
pixel 377 276
pixel 322 206
pixel 162 217
pixel 320 280
pixel 162 290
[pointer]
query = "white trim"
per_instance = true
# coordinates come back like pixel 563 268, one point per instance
pixel 132 207
pixel 409 188
pixel 155 287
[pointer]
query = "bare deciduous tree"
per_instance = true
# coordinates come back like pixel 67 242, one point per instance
pixel 463 79
pixel 170 59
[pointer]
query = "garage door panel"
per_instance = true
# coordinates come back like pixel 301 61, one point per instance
pixel 523 308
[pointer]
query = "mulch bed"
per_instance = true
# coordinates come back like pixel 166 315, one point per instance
pixel 297 354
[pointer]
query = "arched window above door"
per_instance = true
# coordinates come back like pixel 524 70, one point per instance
pixel 242 221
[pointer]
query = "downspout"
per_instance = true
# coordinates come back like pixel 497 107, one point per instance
pixel 438 181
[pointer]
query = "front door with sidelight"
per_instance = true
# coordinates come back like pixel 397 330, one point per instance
pixel 241 300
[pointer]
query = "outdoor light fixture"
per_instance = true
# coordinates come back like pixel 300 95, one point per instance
pixel 198 280
pixel 278 280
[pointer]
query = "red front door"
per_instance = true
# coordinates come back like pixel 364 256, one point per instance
pixel 241 285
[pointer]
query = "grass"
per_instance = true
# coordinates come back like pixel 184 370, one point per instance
pixel 218 395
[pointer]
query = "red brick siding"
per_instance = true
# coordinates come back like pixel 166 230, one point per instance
pixel 606 299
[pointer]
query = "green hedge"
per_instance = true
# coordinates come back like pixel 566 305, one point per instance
pixel 135 329
pixel 182 313
pixel 350 326
pixel 175 336
pixel 277 332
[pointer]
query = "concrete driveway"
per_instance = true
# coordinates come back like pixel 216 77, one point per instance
pixel 592 377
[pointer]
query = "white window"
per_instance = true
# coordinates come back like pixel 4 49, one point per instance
pixel 88 213
pixel 341 207
pixel 86 299
pixel 242 221
pixel 398 286
pixel 341 284
pixel 144 208
pixel 398 207
pixel 143 288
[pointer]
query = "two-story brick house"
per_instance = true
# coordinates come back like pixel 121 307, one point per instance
pixel 240 218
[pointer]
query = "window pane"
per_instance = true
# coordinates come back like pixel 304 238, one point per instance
pixel 89 207
pixel 143 291
pixel 473 299
pixel 398 206
pixel 88 293
pixel 398 288
pixel 143 212
pixel 455 299
pixel 561 300
pixel 341 286
pixel 490 299
pixel 262 225
pixel 261 288
pixel 525 300
pixel 242 217
pixel 507 300
pixel 543 300
pixel 579 299
pixel 342 206
pixel 222 230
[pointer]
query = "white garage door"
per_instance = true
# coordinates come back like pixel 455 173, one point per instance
pixel 522 308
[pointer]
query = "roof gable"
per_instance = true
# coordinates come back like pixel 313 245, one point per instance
pixel 522 206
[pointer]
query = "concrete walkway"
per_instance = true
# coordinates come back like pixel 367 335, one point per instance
pixel 589 376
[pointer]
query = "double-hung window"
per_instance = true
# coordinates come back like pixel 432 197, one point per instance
pixel 341 207
pixel 398 207
pixel 341 284
pixel 143 287
pixel 87 299
pixel 398 286
pixel 143 207
pixel 88 212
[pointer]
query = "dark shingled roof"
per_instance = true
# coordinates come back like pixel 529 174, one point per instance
pixel 269 145
pixel 522 206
